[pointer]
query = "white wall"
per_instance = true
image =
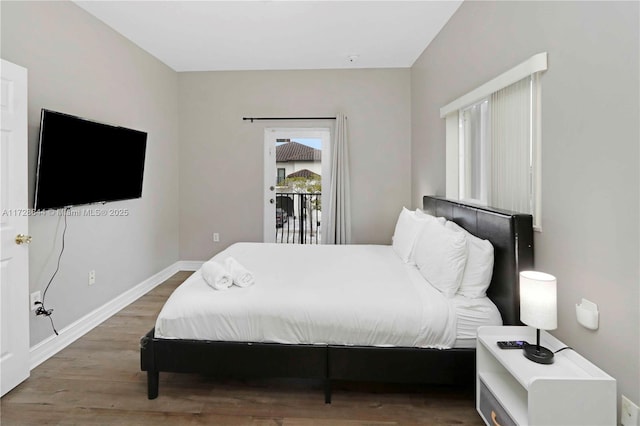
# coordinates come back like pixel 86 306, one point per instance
pixel 78 65
pixel 590 151
pixel 221 156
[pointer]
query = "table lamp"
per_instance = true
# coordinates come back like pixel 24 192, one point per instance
pixel 538 309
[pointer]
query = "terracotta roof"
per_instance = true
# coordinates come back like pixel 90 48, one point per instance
pixel 304 173
pixel 294 151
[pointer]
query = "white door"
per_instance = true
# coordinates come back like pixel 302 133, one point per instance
pixel 270 170
pixel 14 252
pixel 270 177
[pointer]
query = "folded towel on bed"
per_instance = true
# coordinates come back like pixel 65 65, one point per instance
pixel 240 275
pixel 216 275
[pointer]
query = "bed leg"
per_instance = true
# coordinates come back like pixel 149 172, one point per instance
pixel 152 383
pixel 327 391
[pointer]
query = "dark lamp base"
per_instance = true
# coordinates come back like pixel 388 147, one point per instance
pixel 538 354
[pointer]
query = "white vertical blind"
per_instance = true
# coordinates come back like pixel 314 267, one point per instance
pixel 511 159
pixel 533 65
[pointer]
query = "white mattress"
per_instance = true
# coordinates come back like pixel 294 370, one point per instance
pixel 321 294
pixel 471 314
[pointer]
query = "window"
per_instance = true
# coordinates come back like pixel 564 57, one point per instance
pixel 281 176
pixel 493 142
pixel 474 153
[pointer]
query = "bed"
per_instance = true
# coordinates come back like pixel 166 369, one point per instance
pixel 258 333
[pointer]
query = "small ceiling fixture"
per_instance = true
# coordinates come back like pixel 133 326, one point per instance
pixel 353 58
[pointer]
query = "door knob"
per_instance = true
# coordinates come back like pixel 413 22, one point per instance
pixel 23 239
pixel 271 201
pixel 272 187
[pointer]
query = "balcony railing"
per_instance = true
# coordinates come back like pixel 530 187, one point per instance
pixel 298 218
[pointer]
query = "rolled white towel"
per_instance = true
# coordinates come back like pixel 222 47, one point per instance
pixel 216 275
pixel 240 275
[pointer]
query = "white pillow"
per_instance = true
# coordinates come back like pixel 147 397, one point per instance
pixel 422 214
pixel 408 228
pixel 479 267
pixel 440 255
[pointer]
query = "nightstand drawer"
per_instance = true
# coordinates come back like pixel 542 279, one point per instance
pixel 491 409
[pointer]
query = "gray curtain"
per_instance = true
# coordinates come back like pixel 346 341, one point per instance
pixel 338 229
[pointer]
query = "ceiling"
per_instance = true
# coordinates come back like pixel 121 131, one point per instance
pixel 277 35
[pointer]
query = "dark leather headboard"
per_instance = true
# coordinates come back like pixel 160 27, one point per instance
pixel 512 237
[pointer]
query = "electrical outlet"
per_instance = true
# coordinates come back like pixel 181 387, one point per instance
pixel 92 277
pixel 629 414
pixel 35 297
pixel 216 237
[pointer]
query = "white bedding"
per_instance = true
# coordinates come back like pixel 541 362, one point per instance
pixel 318 294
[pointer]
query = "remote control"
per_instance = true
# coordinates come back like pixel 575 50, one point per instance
pixel 512 344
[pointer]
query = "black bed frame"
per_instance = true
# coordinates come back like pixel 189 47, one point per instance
pixel 512 237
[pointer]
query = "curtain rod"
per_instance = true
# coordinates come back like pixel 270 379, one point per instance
pixel 288 118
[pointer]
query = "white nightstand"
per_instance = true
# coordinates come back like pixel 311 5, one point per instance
pixel 511 390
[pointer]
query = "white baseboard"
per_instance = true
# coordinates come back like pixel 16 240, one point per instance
pixel 190 265
pixel 54 344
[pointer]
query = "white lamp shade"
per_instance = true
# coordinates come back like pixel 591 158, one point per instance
pixel 538 300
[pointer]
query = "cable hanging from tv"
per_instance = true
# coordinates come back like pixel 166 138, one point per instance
pixel 42 310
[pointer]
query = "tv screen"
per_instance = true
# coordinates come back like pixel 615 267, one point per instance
pixel 83 162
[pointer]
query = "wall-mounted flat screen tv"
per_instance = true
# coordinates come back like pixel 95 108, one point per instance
pixel 81 161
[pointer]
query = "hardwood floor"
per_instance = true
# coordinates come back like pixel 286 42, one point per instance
pixel 97 381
